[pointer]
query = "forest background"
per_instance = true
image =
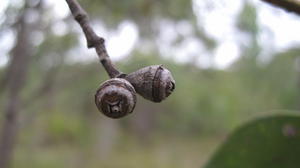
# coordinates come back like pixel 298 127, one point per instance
pixel 232 61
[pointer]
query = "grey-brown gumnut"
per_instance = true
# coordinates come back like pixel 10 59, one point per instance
pixel 154 82
pixel 115 98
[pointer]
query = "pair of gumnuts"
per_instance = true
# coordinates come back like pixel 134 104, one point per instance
pixel 116 97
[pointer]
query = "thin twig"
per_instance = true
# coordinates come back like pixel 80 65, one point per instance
pixel 288 5
pixel 93 40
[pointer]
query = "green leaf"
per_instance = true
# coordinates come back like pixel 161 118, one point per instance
pixel 263 143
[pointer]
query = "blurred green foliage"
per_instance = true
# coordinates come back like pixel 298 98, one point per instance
pixel 113 12
pixel 268 142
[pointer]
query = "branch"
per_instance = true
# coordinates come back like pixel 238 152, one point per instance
pixel 93 40
pixel 289 5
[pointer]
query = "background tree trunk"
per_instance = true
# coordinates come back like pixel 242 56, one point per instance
pixel 15 81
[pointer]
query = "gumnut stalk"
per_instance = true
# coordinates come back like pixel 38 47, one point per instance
pixel 154 82
pixel 115 98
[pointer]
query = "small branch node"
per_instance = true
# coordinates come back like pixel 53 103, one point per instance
pixel 93 41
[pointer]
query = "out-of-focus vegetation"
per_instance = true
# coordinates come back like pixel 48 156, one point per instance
pixel 274 142
pixel 60 124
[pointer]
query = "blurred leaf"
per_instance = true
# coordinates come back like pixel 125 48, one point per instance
pixel 268 142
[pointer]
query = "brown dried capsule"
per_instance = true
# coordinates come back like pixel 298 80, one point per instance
pixel 115 98
pixel 154 82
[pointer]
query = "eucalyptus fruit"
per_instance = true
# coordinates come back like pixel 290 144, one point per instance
pixel 115 98
pixel 154 82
